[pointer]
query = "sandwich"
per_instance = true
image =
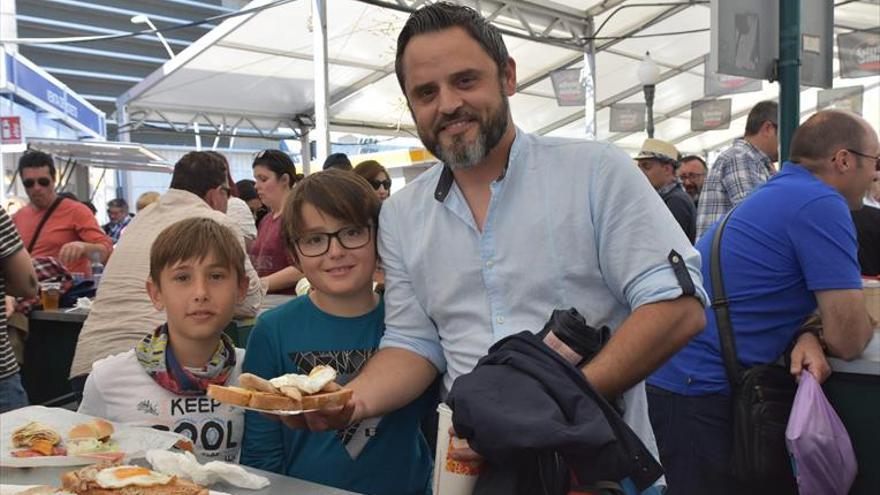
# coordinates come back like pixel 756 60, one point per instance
pixel 93 438
pixel 36 440
pixel 290 392
pixel 112 479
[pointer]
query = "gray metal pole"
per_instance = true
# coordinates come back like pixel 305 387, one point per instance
pixel 319 41
pixel 589 75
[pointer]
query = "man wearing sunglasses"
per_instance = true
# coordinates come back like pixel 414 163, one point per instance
pixel 70 232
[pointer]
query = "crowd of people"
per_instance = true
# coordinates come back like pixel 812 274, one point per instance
pixel 478 248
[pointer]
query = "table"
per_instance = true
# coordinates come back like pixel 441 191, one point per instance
pixel 854 391
pixel 279 484
pixel 51 343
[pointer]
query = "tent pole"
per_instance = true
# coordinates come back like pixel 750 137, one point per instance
pixel 319 33
pixel 589 77
pixel 789 73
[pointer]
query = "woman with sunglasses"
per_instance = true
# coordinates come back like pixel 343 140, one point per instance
pixel 377 176
pixel 274 176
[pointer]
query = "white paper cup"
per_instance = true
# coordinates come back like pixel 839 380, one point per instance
pixel 451 477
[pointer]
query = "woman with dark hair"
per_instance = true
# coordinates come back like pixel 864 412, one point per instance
pixel 275 176
pixel 377 176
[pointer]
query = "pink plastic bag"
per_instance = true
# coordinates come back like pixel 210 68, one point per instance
pixel 822 456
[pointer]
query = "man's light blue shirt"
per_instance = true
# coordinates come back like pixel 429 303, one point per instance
pixel 571 224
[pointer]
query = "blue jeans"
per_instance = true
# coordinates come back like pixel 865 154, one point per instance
pixel 12 394
pixel 694 438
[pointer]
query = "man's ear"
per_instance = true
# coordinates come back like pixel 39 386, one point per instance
pixel 155 294
pixel 842 161
pixel 508 77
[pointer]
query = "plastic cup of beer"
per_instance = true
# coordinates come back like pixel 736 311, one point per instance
pixel 50 295
pixel 452 477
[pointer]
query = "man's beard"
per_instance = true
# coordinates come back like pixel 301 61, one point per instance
pixel 460 155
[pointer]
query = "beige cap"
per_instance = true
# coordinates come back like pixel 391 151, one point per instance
pixel 655 148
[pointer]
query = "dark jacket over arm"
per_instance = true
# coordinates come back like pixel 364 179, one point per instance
pixel 523 399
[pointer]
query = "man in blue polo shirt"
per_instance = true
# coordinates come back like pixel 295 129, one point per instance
pixel 787 247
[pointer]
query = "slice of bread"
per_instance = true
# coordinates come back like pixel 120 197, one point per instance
pixel 326 400
pixel 82 482
pixel 273 402
pixel 257 383
pixel 230 395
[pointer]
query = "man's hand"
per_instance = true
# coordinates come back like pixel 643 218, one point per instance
pixel 460 450
pixel 807 353
pixel 337 418
pixel 72 252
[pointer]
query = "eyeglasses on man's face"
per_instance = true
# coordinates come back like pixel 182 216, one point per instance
pixel 42 181
pixel 690 176
pixel 380 183
pixel 318 243
pixel 865 155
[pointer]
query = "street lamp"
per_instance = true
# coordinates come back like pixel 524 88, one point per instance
pixel 649 73
pixel 142 19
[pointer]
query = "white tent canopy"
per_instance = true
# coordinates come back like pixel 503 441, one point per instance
pixel 255 71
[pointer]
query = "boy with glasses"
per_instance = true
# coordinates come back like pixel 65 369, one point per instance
pixel 329 228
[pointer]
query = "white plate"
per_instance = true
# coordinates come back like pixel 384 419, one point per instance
pixel 14 489
pixel 133 441
pixel 275 412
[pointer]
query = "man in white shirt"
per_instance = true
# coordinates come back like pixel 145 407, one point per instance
pixel 510 227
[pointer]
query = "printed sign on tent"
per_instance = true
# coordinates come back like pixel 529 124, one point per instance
pixel 627 117
pixel 10 130
pixel 707 115
pixel 568 87
pixel 715 84
pixel 841 98
pixel 859 54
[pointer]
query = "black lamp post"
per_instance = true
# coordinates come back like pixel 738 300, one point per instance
pixel 649 73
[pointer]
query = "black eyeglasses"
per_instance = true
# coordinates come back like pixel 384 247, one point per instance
pixel 377 183
pixel 865 155
pixel 317 243
pixel 29 183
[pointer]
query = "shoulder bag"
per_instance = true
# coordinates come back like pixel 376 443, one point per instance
pixel 761 398
pixel 40 225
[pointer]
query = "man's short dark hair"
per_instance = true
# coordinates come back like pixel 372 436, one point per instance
pixel 444 15
pixel 699 158
pixel 198 172
pixel 36 159
pixel 247 190
pixel 764 111
pixel 825 133
pixel 337 160
pixel 118 203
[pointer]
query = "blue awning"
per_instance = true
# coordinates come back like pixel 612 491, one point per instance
pixel 33 86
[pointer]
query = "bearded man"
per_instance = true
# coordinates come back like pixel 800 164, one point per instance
pixel 509 227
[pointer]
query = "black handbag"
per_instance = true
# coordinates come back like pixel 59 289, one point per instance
pixel 761 398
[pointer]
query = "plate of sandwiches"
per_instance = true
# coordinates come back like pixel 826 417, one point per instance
pixel 286 395
pixel 113 479
pixel 92 438
pixel 37 436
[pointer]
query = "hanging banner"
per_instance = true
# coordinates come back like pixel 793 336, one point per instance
pixel 627 117
pixel 568 87
pixel 841 98
pixel 715 84
pixel 859 54
pixel 707 115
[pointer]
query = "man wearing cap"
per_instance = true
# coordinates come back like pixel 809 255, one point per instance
pixel 658 160
pixel 747 164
